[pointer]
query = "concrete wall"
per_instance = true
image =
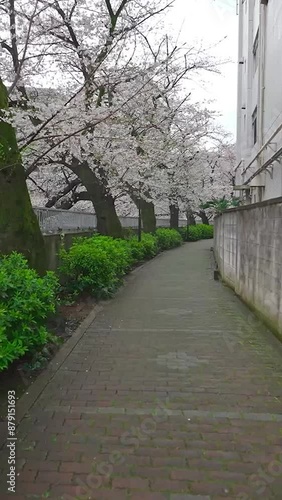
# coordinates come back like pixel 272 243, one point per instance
pixel 53 243
pixel 248 250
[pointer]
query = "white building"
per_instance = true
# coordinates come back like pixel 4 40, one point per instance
pixel 259 114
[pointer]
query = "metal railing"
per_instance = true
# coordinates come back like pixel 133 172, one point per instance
pixel 52 220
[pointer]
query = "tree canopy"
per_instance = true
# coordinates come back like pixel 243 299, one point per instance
pixel 98 96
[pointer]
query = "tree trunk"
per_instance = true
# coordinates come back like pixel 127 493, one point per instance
pixel 191 221
pixel 174 216
pixel 203 216
pixel 147 213
pixel 108 222
pixel 19 228
pixel 148 216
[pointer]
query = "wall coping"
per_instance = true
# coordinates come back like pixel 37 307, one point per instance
pixel 260 204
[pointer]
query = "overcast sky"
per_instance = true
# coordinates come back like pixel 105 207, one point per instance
pixel 210 21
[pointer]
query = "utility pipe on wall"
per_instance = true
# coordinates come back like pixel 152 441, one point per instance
pixel 263 147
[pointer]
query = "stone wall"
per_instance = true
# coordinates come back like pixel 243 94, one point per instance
pixel 248 251
pixel 53 243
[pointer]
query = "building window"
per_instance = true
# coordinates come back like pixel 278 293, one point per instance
pixel 255 51
pixel 255 125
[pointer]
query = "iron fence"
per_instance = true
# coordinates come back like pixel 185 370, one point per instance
pixel 52 220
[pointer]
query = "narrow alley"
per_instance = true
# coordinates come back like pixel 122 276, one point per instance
pixel 173 392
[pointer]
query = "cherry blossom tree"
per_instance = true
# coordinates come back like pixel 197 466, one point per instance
pixel 127 147
pixel 76 43
pixel 115 120
pixel 214 179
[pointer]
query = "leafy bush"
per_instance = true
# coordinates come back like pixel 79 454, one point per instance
pixel 137 249
pixel 206 231
pixel 197 232
pixel 194 233
pixel 144 249
pixel 128 232
pixel 168 238
pixel 220 204
pixel 149 246
pixel 183 233
pixel 95 265
pixel 26 300
pixel 116 249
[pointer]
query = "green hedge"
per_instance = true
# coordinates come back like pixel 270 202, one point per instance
pixel 168 238
pixel 145 249
pixel 26 300
pixel 93 265
pixel 197 232
pixel 96 265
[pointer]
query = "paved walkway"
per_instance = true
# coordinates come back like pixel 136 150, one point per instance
pixel 172 393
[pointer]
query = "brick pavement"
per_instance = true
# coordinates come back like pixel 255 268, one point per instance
pixel 172 393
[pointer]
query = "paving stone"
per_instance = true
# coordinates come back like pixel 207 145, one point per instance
pixel 181 400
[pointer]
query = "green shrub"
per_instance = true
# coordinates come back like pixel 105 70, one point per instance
pixel 149 246
pixel 26 300
pixel 197 232
pixel 128 232
pixel 137 249
pixel 194 233
pixel 144 249
pixel 206 231
pixel 183 233
pixel 117 250
pixel 168 238
pixel 95 265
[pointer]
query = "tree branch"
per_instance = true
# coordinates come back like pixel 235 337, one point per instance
pixel 111 12
pixel 75 198
pixel 73 184
pixel 18 64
